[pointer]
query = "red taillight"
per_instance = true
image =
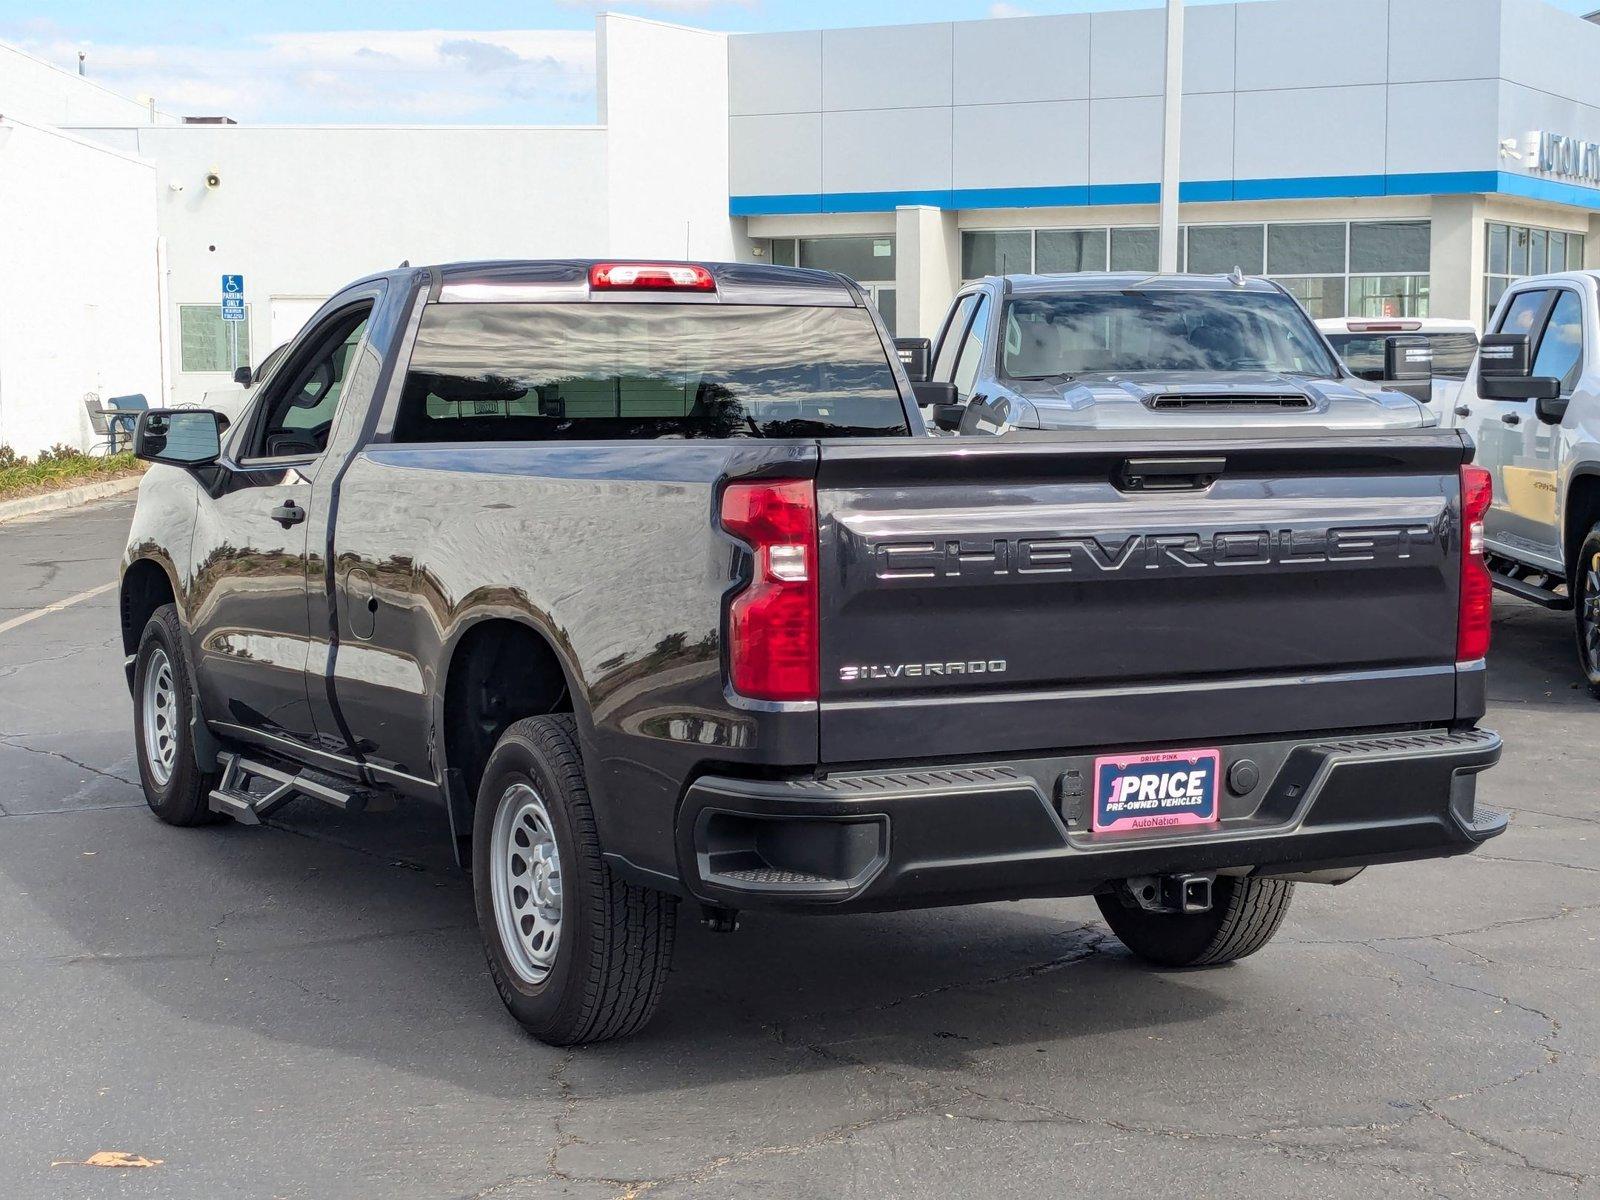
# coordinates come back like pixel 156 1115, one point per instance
pixel 772 624
pixel 1477 589
pixel 651 277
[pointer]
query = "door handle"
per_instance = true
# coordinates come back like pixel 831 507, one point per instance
pixel 1511 418
pixel 288 514
pixel 1463 411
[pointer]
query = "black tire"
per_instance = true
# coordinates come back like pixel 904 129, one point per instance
pixel 1586 608
pixel 183 797
pixel 1244 915
pixel 615 940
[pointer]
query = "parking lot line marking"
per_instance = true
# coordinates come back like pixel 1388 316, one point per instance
pixel 8 626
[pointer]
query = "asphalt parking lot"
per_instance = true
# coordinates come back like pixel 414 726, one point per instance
pixel 302 1009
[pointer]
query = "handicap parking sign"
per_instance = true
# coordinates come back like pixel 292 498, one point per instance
pixel 233 297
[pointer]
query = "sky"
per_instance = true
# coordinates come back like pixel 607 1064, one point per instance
pixel 412 61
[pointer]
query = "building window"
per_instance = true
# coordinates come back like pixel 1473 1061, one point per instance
pixel 1059 250
pixel 1310 261
pixel 1388 296
pixel 208 343
pixel 1334 268
pixel 1389 265
pixel 867 259
pixel 996 252
pixel 1513 251
pixel 1137 250
pixel 1218 249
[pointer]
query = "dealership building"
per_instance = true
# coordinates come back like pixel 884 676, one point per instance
pixel 1378 157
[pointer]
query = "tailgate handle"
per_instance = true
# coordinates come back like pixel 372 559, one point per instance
pixel 1168 474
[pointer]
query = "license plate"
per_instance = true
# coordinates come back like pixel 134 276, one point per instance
pixel 1156 791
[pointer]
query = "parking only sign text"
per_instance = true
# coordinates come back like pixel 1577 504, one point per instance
pixel 233 297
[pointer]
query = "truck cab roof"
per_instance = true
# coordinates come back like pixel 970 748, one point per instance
pixel 1123 281
pixel 567 280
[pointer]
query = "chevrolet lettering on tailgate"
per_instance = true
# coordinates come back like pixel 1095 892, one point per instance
pixel 957 558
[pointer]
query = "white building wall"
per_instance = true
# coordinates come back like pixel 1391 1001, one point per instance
pixel 44 94
pixel 78 309
pixel 1275 90
pixel 663 92
pixel 300 211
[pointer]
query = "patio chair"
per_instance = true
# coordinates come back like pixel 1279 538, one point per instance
pixel 100 418
pixel 133 405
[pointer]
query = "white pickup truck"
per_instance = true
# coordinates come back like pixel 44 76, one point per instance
pixel 1532 404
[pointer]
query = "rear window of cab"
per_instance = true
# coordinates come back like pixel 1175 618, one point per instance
pixel 571 372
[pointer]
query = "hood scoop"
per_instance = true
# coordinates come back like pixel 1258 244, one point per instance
pixel 1230 402
pixel 1202 392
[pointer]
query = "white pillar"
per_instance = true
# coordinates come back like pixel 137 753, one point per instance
pixel 1455 257
pixel 927 249
pixel 1171 137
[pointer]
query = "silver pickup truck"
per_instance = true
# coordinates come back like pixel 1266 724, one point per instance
pixel 1137 352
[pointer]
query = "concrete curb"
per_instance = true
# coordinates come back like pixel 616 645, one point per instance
pixel 27 506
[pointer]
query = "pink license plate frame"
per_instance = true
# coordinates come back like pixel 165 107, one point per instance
pixel 1161 789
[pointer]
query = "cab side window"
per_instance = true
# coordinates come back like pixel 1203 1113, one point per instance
pixel 299 413
pixel 1523 310
pixel 944 362
pixel 971 353
pixel 1560 353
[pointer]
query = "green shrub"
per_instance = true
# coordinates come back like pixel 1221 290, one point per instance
pixel 58 467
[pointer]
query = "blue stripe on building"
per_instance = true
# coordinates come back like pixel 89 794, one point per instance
pixel 1315 187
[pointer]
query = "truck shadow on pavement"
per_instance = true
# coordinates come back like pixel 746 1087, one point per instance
pixel 325 932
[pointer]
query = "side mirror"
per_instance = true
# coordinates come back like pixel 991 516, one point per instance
pixel 1505 366
pixel 179 437
pixel 1408 366
pixel 243 377
pixel 1550 409
pixel 943 403
pixel 1407 358
pixel 916 355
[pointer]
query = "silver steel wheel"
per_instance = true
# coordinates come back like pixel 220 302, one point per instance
pixel 525 876
pixel 1590 612
pixel 160 705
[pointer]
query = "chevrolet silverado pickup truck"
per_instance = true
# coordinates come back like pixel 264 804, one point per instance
pixel 650 577
pixel 1151 352
pixel 1532 403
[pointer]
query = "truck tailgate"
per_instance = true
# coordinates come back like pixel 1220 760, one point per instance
pixel 1033 592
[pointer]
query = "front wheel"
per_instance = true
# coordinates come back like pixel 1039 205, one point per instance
pixel 1586 607
pixel 1244 914
pixel 175 787
pixel 577 953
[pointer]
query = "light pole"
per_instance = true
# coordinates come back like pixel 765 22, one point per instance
pixel 1171 137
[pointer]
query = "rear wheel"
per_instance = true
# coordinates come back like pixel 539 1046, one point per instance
pixel 576 953
pixel 1244 915
pixel 175 787
pixel 1586 607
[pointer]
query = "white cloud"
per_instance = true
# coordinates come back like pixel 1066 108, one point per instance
pixel 512 76
pixel 1002 9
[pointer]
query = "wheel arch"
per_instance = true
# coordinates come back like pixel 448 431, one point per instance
pixel 496 669
pixel 147 583
pixel 1580 513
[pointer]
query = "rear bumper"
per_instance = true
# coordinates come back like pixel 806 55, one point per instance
pixel 957 834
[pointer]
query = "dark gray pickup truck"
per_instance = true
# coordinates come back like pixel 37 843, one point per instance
pixel 650 576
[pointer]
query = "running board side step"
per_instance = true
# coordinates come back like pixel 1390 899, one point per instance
pixel 234 797
pixel 1539 593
